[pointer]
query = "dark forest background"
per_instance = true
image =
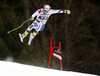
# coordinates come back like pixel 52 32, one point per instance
pixel 78 32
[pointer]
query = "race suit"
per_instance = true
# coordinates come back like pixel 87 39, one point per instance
pixel 41 19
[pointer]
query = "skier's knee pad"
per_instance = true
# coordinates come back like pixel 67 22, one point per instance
pixel 26 32
pixel 35 33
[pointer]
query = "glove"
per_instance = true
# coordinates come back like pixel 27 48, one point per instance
pixel 31 18
pixel 67 11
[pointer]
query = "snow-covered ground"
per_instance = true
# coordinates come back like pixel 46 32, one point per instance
pixel 16 69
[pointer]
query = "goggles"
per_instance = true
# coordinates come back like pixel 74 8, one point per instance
pixel 45 11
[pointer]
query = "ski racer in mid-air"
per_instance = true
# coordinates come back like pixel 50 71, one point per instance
pixel 42 16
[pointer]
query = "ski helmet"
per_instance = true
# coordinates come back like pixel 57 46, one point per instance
pixel 46 8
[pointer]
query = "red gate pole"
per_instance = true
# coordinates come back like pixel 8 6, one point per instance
pixel 61 64
pixel 60 46
pixel 51 51
pixel 49 61
pixel 60 60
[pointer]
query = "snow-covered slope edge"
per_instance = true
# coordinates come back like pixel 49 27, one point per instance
pixel 16 69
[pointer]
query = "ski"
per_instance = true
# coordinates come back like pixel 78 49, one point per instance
pixel 21 38
pixel 31 38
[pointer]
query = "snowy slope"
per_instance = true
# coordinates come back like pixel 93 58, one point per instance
pixel 16 69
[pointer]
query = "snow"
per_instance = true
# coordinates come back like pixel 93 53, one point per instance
pixel 17 69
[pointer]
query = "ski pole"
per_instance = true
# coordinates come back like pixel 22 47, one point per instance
pixel 19 26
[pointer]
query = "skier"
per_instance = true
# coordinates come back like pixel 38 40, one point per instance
pixel 42 16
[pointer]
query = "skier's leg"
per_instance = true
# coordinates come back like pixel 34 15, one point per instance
pixel 32 35
pixel 22 36
pixel 39 27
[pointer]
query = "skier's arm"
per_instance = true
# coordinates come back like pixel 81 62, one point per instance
pixel 35 14
pixel 60 11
